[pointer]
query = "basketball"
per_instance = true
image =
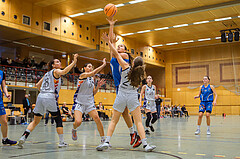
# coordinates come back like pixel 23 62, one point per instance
pixel 64 119
pixel 110 10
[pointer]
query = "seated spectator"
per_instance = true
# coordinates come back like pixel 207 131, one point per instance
pixel 66 110
pixel 168 110
pixel 179 111
pixel 101 114
pixel 44 67
pixel 162 112
pixel 184 110
pixel 42 63
pixel 174 110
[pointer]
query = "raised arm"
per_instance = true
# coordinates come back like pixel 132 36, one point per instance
pixel 121 61
pixel 199 93
pixel 5 90
pixel 142 93
pixel 111 22
pixel 59 72
pixel 214 91
pixel 100 83
pixel 95 71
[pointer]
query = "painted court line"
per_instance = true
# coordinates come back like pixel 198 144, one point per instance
pixel 165 151
pixel 199 154
pixel 219 156
pixel 183 153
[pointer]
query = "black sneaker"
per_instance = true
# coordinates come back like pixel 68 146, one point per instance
pixel 10 142
pixel 151 128
pixel 147 132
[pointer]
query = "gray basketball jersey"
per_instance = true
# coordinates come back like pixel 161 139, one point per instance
pixel 50 84
pixel 85 89
pixel 125 84
pixel 150 92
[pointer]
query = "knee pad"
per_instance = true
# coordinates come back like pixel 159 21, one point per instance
pixel 148 119
pixel 57 117
pixel 154 118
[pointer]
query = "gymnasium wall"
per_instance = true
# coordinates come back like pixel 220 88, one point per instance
pixel 186 68
pixel 69 30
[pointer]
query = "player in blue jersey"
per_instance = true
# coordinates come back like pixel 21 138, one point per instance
pixel 3 119
pixel 207 101
pixel 116 72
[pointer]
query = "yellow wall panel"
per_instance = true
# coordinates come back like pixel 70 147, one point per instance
pixel 4 7
pixel 36 22
pixel 56 22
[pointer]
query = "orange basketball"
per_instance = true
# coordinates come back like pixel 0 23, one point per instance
pixel 64 119
pixel 110 10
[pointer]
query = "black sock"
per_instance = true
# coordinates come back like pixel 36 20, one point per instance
pixel 26 134
pixel 144 146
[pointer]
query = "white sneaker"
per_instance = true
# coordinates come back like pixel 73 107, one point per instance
pixel 149 148
pixel 103 146
pixel 21 142
pixel 197 132
pixel 62 144
pixel 208 132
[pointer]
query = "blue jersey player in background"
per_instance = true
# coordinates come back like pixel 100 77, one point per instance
pixel 3 119
pixel 207 102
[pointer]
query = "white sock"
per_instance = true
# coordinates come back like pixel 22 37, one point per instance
pixel 131 130
pixel 28 130
pixel 108 139
pixel 147 128
pixel 74 129
pixel 208 127
pixel 102 138
pixel 4 138
pixel 198 127
pixel 144 141
pixel 61 140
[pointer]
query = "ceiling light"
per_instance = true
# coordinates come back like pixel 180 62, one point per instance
pixel 218 37
pixel 144 31
pixel 221 19
pixel 76 15
pixel 157 45
pixel 127 34
pixel 136 1
pixel 202 22
pixel 95 10
pixel 161 28
pixel 189 41
pixel 181 25
pixel 172 43
pixel 204 39
pixel 120 5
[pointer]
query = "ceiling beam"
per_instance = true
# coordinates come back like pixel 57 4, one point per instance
pixel 174 14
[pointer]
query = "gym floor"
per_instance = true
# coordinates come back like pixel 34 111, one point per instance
pixel 174 138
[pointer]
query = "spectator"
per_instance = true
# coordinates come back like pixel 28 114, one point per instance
pixel 168 110
pixel 162 111
pixel 179 111
pixel 46 119
pixel 184 110
pixel 32 62
pixel 66 110
pixel 44 67
pixel 158 103
pixel 42 63
pixel 26 105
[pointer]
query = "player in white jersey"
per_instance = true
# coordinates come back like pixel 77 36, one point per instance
pixel 47 99
pixel 131 78
pixel 149 92
pixel 84 98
